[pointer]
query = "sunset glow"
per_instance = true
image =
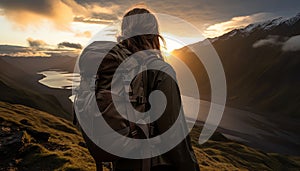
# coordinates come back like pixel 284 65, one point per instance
pixel 172 43
pixel 77 23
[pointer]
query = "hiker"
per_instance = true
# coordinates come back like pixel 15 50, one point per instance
pixel 133 41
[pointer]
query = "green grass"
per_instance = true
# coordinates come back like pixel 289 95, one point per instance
pixel 48 142
pixel 60 152
pixel 218 154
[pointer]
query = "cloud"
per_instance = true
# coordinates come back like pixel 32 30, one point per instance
pixel 39 48
pixel 271 40
pixel 28 12
pixel 219 29
pixel 292 44
pixel 285 43
pixel 76 8
pixel 92 12
pixel 20 51
pixel 202 14
pixel 36 43
pixel 92 20
pixel 69 45
pixel 59 12
pixel 86 34
pixel 96 8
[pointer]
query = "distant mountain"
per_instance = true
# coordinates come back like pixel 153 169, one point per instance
pixel 37 64
pixel 278 26
pixel 262 67
pixel 19 83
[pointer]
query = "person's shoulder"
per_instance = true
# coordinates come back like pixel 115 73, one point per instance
pixel 105 50
pixel 95 54
pixel 100 45
pixel 161 70
pixel 161 65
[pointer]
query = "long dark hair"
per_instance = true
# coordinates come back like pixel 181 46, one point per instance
pixel 136 26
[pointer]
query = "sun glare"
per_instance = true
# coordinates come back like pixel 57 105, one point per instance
pixel 171 44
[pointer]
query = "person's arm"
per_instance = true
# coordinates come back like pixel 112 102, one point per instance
pixel 182 156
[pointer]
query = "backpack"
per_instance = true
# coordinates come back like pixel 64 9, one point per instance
pixel 135 90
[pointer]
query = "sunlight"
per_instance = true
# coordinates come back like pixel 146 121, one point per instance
pixel 171 43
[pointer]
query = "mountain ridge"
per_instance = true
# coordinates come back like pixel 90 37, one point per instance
pixel 263 25
pixel 263 79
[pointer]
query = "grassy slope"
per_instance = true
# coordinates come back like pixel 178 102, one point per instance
pixel 51 143
pixel 61 151
pixel 220 153
pixel 21 95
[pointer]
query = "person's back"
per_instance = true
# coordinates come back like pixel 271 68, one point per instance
pixel 140 41
pixel 182 156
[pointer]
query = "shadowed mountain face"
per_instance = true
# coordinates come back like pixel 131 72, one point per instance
pixel 19 83
pixel 261 64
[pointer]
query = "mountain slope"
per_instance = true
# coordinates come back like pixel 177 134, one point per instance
pixel 29 77
pixel 21 87
pixel 35 140
pixel 262 79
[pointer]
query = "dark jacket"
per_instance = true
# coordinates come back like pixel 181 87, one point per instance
pixel 182 157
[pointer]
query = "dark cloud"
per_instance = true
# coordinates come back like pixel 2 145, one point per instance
pixel 20 51
pixel 69 45
pixel 39 48
pixel 36 43
pixel 203 13
pixel 44 7
pixel 93 12
pixel 28 12
pixel 60 12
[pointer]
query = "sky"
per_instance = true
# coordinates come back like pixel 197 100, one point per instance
pixel 64 26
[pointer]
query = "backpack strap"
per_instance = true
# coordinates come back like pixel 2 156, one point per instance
pixel 130 112
pixel 148 129
pixel 141 80
pixel 146 163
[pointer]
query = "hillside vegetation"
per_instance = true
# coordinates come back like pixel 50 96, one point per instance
pixel 35 140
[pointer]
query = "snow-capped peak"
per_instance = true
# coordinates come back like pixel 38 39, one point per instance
pixel 292 20
pixel 267 25
pixel 264 25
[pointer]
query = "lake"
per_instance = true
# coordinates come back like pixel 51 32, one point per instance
pixel 243 126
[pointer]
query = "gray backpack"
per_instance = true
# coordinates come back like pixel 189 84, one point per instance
pixel 135 90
